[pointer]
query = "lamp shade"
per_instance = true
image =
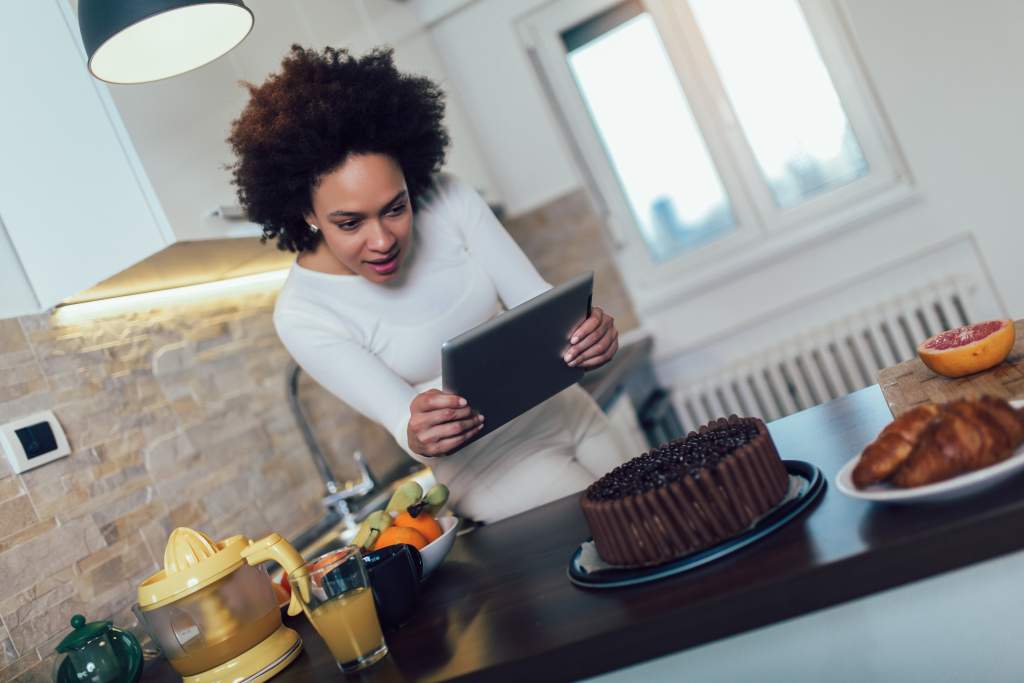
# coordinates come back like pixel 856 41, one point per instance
pixel 134 41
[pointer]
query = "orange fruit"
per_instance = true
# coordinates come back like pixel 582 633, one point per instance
pixel 423 523
pixel 969 349
pixel 394 535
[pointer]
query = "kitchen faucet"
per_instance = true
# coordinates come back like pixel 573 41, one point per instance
pixel 337 496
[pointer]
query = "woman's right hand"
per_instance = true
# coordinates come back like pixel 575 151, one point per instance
pixel 440 422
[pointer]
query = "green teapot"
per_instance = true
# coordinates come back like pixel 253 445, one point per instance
pixel 98 652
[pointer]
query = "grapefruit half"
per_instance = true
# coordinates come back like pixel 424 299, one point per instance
pixel 968 349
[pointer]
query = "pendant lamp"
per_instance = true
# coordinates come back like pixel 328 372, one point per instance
pixel 135 41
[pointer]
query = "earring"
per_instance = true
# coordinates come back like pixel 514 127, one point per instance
pixel 313 228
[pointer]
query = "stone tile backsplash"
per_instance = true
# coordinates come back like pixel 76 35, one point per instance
pixel 178 417
pixel 565 238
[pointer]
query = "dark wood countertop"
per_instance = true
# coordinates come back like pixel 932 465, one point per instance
pixel 502 608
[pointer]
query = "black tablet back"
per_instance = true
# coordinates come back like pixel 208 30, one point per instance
pixel 514 361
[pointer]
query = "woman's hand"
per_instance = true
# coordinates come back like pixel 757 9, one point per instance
pixel 439 423
pixel 594 342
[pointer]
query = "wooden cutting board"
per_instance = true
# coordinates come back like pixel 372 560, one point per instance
pixel 911 383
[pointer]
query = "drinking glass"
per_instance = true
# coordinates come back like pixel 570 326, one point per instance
pixel 336 597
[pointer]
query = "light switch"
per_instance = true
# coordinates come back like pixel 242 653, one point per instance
pixel 33 441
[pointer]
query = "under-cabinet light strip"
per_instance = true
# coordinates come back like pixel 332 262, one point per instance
pixel 74 314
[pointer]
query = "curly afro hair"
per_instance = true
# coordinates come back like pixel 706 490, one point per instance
pixel 305 121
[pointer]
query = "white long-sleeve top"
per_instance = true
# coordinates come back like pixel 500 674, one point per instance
pixel 376 346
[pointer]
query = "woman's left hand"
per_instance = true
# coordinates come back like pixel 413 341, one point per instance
pixel 594 342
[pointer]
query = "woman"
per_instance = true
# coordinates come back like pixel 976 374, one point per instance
pixel 336 155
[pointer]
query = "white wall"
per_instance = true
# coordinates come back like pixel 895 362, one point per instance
pixel 949 76
pixel 430 11
pixel 518 135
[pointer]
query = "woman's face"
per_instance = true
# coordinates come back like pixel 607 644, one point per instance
pixel 362 209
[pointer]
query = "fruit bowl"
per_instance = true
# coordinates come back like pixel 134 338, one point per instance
pixel 434 552
pixel 433 555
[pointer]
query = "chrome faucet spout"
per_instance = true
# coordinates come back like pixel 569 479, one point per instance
pixel 336 495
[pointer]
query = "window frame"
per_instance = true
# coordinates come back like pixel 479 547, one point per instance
pixel 764 230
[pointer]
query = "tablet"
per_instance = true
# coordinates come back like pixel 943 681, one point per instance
pixel 514 361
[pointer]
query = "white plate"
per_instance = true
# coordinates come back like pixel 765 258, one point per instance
pixel 962 485
pixel 434 552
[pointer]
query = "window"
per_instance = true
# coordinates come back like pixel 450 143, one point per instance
pixel 795 125
pixel 634 116
pixel 716 132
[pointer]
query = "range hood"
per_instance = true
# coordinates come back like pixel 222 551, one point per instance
pixel 191 263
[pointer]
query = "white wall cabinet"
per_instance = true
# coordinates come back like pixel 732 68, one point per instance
pixel 75 204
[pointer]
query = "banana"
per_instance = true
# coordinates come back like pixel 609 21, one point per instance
pixel 436 497
pixel 370 529
pixel 405 495
pixel 363 535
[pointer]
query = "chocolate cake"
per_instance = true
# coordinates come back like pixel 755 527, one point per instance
pixel 687 495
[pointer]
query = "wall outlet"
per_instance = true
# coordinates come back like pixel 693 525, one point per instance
pixel 33 441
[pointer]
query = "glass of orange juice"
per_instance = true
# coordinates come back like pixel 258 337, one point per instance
pixel 338 601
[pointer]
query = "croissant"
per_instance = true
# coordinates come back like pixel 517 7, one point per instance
pixel 892 447
pixel 935 442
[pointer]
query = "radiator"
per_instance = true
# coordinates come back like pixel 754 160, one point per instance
pixel 826 362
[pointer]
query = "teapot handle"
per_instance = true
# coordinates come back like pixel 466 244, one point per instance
pixel 277 549
pixel 131 649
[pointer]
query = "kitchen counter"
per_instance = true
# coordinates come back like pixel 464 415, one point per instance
pixel 502 608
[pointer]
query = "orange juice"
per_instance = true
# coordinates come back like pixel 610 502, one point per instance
pixel 349 626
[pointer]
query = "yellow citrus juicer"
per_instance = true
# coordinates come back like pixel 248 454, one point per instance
pixel 213 612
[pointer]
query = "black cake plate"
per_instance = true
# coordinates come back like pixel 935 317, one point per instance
pixel 810 484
